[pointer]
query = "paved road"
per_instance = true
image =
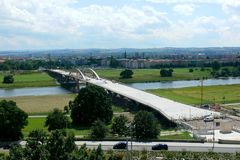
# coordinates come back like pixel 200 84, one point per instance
pixel 172 146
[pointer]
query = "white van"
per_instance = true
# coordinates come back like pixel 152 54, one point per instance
pixel 208 119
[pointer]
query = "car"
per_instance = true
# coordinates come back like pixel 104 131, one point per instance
pixel 208 119
pixel 6 146
pixel 160 147
pixel 120 145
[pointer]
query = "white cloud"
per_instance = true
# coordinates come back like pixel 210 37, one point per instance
pixel 71 22
pixel 54 17
pixel 17 42
pixel 185 9
pixel 221 2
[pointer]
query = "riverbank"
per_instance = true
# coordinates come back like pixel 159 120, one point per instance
pixel 211 94
pixel 41 104
pixel 29 79
pixel 153 75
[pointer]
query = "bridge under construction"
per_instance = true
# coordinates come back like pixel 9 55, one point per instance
pixel 173 111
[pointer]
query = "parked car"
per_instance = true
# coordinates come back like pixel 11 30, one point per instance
pixel 120 145
pixel 208 119
pixel 160 147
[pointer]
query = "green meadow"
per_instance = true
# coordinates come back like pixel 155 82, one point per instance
pixel 153 75
pixel 29 79
pixel 211 94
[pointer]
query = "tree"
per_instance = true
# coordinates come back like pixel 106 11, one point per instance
pixel 113 62
pixel 97 154
pixel 12 120
pixel 99 130
pixel 16 152
pixel 166 73
pixel 190 70
pixel 202 69
pixel 145 126
pixel 127 73
pixel 60 145
pixel 216 66
pixel 119 125
pixel 36 146
pixel 79 154
pixel 8 79
pixel 92 103
pixel 225 72
pixel 56 120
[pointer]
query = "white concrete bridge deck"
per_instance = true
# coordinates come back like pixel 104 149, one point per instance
pixel 170 109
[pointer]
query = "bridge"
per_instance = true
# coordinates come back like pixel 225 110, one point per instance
pixel 173 111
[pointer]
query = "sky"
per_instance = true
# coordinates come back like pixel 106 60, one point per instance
pixel 78 24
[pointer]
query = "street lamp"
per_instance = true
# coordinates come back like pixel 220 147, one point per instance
pixel 130 127
pixel 213 135
pixel 201 91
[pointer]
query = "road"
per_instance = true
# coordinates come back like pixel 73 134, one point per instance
pixel 172 146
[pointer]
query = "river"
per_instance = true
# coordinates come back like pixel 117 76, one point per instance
pixel 143 86
pixel 181 84
pixel 33 91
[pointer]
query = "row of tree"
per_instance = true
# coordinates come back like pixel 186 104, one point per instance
pixel 35 64
pixel 58 145
pixel 114 63
pixel 196 63
pixel 226 72
pixel 143 127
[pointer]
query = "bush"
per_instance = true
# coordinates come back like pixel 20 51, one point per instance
pixel 202 69
pixel 8 79
pixel 56 120
pixel 119 125
pixel 190 70
pixel 99 130
pixel 145 126
pixel 166 73
pixel 127 73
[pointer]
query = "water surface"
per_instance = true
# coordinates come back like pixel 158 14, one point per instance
pixel 33 91
pixel 37 91
pixel 181 84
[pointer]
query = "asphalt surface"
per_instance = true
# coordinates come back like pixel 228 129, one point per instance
pixel 172 146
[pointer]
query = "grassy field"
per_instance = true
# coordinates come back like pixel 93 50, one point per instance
pixel 38 123
pixel 32 79
pixel 211 94
pixel 41 104
pixel 153 75
pixel 33 124
pixel 182 135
